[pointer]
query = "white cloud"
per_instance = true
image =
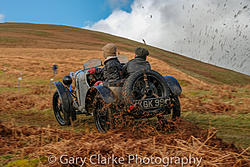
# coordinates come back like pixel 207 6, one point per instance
pixel 212 31
pixel 1 18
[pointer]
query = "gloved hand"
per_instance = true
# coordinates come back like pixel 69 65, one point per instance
pixel 92 70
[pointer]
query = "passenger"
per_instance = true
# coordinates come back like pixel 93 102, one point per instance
pixel 112 67
pixel 138 63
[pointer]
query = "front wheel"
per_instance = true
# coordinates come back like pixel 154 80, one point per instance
pixel 62 117
pixel 103 115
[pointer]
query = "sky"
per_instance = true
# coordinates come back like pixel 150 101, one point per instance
pixel 212 31
pixel 77 13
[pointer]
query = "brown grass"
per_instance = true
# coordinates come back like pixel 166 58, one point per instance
pixel 31 49
pixel 187 139
pixel 35 66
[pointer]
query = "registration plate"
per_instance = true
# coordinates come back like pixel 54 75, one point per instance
pixel 152 103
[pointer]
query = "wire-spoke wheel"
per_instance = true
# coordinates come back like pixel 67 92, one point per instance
pixel 102 115
pixel 62 117
pixel 144 85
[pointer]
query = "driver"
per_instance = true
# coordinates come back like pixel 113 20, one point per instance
pixel 112 67
pixel 138 63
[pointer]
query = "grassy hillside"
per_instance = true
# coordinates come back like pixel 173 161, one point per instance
pixel 22 35
pixel 215 116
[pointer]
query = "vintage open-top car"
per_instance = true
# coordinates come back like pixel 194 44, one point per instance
pixel 143 94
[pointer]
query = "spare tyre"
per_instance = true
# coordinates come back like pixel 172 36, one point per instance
pixel 143 85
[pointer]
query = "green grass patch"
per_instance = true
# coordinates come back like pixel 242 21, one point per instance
pixel 199 93
pixel 36 117
pixel 242 92
pixel 233 128
pixel 6 157
pixel 115 39
pixel 23 163
pixel 6 39
pixel 36 82
pixel 6 65
pixel 30 117
pixel 26 31
pixel 21 90
pixel 184 83
pixel 43 118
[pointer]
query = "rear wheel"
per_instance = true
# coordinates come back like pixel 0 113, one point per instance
pixel 62 117
pixel 145 85
pixel 150 84
pixel 176 108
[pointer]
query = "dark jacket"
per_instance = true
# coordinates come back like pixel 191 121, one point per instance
pixel 134 65
pixel 112 70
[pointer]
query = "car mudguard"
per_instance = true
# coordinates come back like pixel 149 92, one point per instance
pixel 66 99
pixel 106 94
pixel 174 85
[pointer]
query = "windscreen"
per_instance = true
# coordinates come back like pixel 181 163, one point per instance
pixel 93 63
